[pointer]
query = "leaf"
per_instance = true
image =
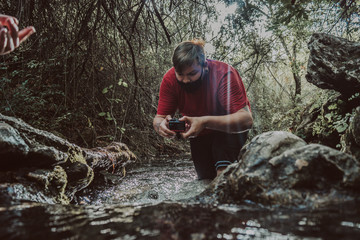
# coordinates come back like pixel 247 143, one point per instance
pixel 328 116
pixel 125 84
pixel 341 127
pixel 354 96
pixel 105 90
pixel 102 114
pixel 332 106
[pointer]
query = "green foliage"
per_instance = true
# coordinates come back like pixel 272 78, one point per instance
pixel 333 119
pixel 355 96
pixel 122 83
pixel 82 66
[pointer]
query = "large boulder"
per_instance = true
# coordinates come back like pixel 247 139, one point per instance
pixel 334 63
pixel 265 146
pixel 278 168
pixel 37 165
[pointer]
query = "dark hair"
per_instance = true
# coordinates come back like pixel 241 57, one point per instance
pixel 187 52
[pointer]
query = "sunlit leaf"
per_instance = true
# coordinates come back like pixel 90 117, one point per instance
pixel 341 127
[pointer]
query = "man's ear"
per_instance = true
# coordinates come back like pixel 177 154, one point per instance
pixel 205 63
pixel 206 67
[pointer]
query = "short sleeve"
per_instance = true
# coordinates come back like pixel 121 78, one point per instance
pixel 167 98
pixel 231 92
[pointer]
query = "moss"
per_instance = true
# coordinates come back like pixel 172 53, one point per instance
pixel 58 178
pixel 52 183
pixel 57 183
pixel 75 155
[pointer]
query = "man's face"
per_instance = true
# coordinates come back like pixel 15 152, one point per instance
pixel 189 74
pixel 190 78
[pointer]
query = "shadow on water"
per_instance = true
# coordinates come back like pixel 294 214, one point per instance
pixel 149 204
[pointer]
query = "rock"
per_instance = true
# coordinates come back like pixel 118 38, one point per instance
pixel 38 185
pixel 118 153
pixel 49 166
pixel 254 158
pixel 277 168
pixel 15 193
pixel 79 173
pixel 267 145
pixel 54 183
pixel 318 167
pixel 334 63
pixel 12 146
pixel 152 194
pixel 45 156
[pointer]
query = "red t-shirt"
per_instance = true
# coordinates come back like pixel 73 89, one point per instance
pixel 221 92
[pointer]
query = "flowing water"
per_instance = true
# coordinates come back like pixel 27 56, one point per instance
pixel 150 203
pixel 151 183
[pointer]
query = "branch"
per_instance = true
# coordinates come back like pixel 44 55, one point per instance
pixel 253 76
pixel 161 21
pixel 282 87
pixel 343 13
pixel 128 43
pixel 282 40
pixel 137 16
pixel 125 38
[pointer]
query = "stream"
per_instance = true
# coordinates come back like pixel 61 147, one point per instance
pixel 156 201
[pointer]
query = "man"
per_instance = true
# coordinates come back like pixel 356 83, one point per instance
pixel 212 99
pixel 10 36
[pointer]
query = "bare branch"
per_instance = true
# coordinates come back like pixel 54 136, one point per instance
pixel 282 87
pixel 161 21
pixel 137 16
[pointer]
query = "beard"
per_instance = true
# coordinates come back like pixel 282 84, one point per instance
pixel 192 86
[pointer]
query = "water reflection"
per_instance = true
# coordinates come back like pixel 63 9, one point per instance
pixel 170 220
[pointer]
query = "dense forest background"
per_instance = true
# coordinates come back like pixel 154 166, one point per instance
pixel 92 71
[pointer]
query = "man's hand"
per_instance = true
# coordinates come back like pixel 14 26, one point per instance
pixel 239 121
pixel 194 125
pixel 10 36
pixel 161 126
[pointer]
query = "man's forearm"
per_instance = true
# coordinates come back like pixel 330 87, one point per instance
pixel 232 123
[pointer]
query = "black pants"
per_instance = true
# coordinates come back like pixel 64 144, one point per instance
pixel 215 150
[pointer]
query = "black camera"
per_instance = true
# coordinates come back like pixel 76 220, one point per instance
pixel 176 125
